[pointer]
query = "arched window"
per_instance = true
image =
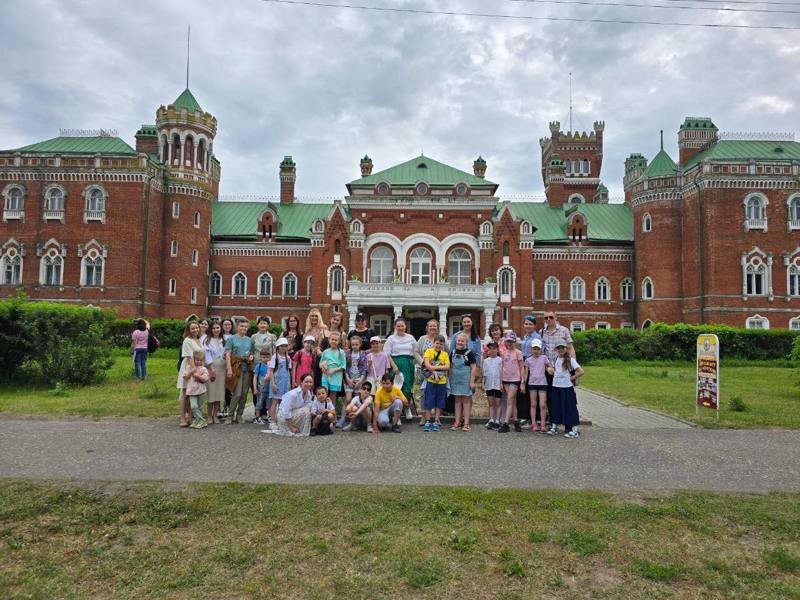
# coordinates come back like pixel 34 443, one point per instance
pixel 381 263
pixel 289 285
pixel 92 275
pixel 265 284
pixel 794 213
pixel 577 199
pixel 54 201
pixel 585 165
pixel 757 322
pixel 525 228
pixel 647 223
pixel 601 287
pixel 197 218
pixel 420 260
pixel 188 151
pixel 794 278
pixel 176 149
pixel 173 248
pixel 195 257
pixel 506 284
pixel 11 267
pixel 626 290
pixel 552 289
pixel 319 226
pixel 15 199
pixel 647 323
pixel 459 266
pixel 201 154
pixel 356 226
pixel 577 290
pixel 239 284
pixel 794 323
pixel 506 249
pixel 337 281
pixel 164 149
pixel 215 284
pixel 95 201
pixel 755 208
pixel 647 289
pixel 176 210
pixel 486 228
pixel 52 269
pixel 755 277
pixel 337 247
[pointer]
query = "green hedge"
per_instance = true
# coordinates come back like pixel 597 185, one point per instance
pixel 54 342
pixel 168 331
pixel 679 342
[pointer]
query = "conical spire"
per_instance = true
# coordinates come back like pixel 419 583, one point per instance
pixel 188 101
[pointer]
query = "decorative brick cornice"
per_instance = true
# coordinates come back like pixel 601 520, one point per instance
pixel 258 249
pixel 603 254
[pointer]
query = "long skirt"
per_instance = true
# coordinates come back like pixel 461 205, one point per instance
pixel 406 366
pixel 300 419
pixel 216 388
pixel 564 407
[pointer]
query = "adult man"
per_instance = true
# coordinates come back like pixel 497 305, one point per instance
pixel 552 334
pixel 361 330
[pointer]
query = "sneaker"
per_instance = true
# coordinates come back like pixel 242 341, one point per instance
pixel 572 434
pixel 504 428
pixel 489 424
pixel 257 421
pixel 409 416
pixel 427 426
pixel 495 426
pixel 273 427
pixel 552 431
pixel 195 425
pixel 436 426
pixel 369 429
pixel 396 427
pixel 517 426
pixel 347 427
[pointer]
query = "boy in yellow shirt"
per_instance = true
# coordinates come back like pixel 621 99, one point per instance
pixel 388 404
pixel 437 363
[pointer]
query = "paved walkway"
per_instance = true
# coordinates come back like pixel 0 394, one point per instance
pixel 610 459
pixel 606 412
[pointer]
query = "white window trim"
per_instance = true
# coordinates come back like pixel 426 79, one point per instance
pixel 210 285
pixel 792 262
pixel 392 263
pixel 193 296
pixel 577 326
pixel 602 325
pixel 173 287
pixel 173 248
pixel 652 295
pixel 792 224
pixel 646 323
pixel 94 215
pixel 506 297
pixel 574 196
pixel 421 261
pixel 749 322
pixel 557 297
pixel 627 325
pixel 628 280
pixel 753 224
pixel 176 209
pixel 329 285
pixel 375 318
pixel 647 223
pixel 747 260
pixel 233 285
pixel 794 323
pixel 195 257
pixel 197 219
pixel 469 263
pixel 55 214
pixel 11 244
pixel 18 214
pixel 283 286
pixel 597 290
pixel 94 255
pixel 572 283
pixel 271 285
pixel 52 250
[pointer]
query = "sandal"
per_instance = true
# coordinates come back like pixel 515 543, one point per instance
pixel 455 427
pixel 466 427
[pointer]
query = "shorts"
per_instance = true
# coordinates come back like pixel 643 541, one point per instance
pixel 516 383
pixel 264 402
pixel 537 388
pixel 435 396
pixel 494 394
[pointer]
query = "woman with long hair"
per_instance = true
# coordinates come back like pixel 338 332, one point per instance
pixel 402 350
pixel 139 339
pixel 215 363
pixel 227 331
pixel 191 344
pixel 293 416
pixel 316 328
pixel 293 334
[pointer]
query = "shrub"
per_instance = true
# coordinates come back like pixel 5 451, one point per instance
pixel 795 356
pixel 736 404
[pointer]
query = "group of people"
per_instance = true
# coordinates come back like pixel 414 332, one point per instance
pixel 314 380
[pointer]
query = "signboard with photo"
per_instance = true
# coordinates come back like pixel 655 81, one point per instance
pixel 707 391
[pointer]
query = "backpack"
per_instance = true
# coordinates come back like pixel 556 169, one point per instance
pixel 430 374
pixel 152 343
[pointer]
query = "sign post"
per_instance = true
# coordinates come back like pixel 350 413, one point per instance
pixel 707 390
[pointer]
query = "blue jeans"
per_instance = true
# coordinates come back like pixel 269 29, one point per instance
pixel 140 362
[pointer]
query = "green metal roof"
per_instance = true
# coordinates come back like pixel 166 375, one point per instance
pixel 601 189
pixel 80 145
pixel 698 123
pixel 188 101
pixel 147 130
pixel 240 219
pixel 425 169
pixel 607 222
pixel 744 150
pixel 661 166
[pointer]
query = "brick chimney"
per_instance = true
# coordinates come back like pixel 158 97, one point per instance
pixel 366 166
pixel 288 177
pixel 479 167
pixel 695 135
pixel 147 140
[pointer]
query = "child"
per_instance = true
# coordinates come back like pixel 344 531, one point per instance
pixel 261 387
pixel 492 384
pixel 564 403
pixel 323 413
pixel 333 363
pixel 304 360
pixel 355 375
pixel 535 370
pixel 389 402
pixel 359 411
pixel 377 362
pixel 195 376
pixel 279 375
pixel 463 375
pixel 511 373
pixel 437 364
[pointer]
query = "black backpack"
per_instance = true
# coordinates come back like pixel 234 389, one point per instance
pixel 152 343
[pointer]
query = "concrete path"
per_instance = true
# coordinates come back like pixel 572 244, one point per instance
pixel 606 412
pixel 610 459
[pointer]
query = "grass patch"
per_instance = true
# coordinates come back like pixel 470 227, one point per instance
pixel 752 396
pixel 141 541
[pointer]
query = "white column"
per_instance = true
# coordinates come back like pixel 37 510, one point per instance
pixel 443 319
pixel 352 310
pixel 169 154
pixel 183 150
pixel 398 311
pixel 194 158
pixel 488 317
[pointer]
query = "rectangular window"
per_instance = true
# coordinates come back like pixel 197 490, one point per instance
pixel 602 325
pixel 173 249
pixel 380 325
pixel 577 326
pixel 755 284
pixel 176 210
pixel 195 257
pixel 194 295
pixel 173 286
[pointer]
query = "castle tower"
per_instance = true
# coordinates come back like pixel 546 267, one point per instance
pixel 582 158
pixel 695 135
pixel 191 183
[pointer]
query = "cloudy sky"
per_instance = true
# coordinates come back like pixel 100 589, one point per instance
pixel 329 85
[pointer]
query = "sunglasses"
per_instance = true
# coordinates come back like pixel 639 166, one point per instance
pixel 550 318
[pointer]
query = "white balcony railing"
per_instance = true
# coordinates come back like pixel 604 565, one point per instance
pixel 450 294
pixel 94 215
pixel 13 215
pixel 794 224
pixel 755 224
pixel 53 215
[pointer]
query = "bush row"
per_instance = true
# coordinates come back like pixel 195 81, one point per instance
pixel 168 331
pixel 53 342
pixel 679 342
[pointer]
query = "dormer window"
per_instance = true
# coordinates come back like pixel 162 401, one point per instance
pixel 382 189
pixel 422 188
pixel 461 189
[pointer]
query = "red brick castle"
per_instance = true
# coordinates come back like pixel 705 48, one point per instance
pixel 711 238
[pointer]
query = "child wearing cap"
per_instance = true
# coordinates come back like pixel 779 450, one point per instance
pixel 280 375
pixel 564 403
pixel 492 383
pixel 534 371
pixel 511 373
pixel 377 362
pixel 303 363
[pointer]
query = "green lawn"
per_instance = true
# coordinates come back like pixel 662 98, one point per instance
pixel 275 541
pixel 119 395
pixel 770 395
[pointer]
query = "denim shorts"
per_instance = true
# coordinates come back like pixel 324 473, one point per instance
pixel 435 396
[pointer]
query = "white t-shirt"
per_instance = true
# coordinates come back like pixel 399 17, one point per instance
pixel 356 401
pixel 400 346
pixel 491 372
pixel 561 378
pixel 317 406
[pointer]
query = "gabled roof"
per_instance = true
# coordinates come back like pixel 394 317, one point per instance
pixel 662 165
pixel 188 101
pixel 422 168
pixel 743 150
pixel 606 222
pixel 240 219
pixel 80 145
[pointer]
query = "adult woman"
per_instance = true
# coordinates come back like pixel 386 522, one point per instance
pixel 523 402
pixel 227 331
pixel 316 327
pixel 191 344
pixel 294 419
pixel 495 335
pixel 293 334
pixel 361 330
pixel 203 329
pixel 337 324
pixel 401 348
pixel 238 369
pixel 473 339
pixel 424 343
pixel 139 348
pixel 263 339
pixel 215 363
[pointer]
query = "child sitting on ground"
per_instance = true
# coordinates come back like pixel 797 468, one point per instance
pixel 359 411
pixel 195 376
pixel 323 413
